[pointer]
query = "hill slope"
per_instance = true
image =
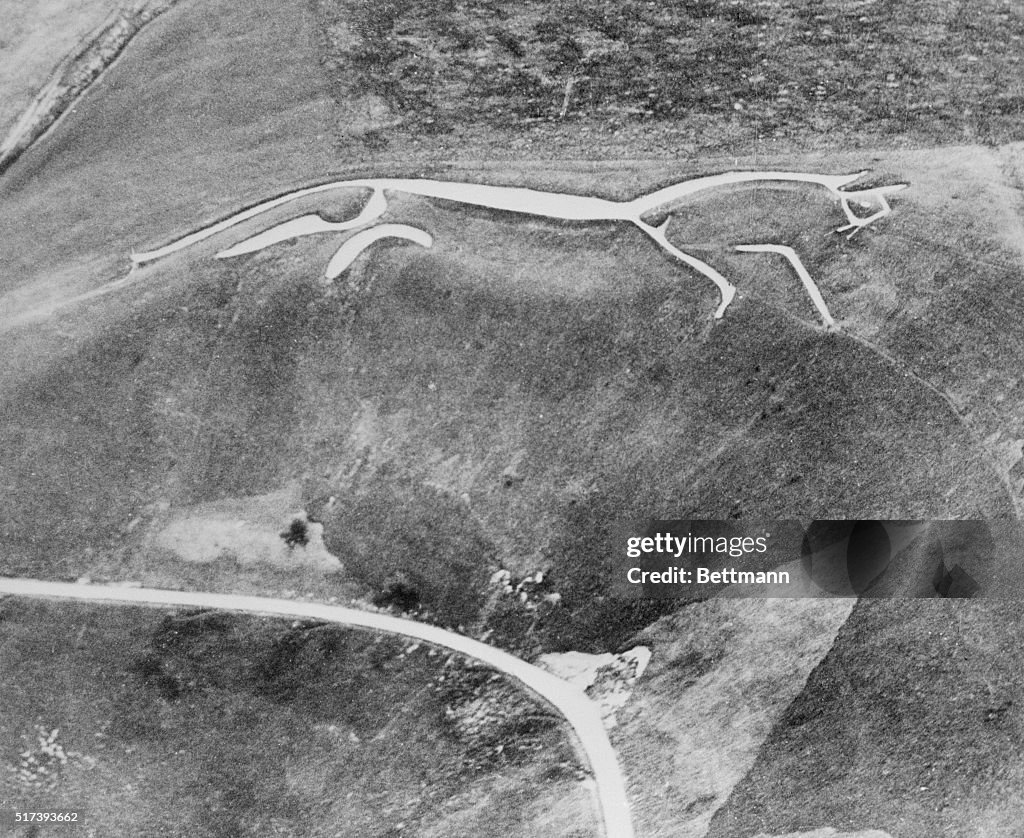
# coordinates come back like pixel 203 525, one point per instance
pixel 504 398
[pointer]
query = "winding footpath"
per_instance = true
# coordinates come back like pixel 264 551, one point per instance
pixel 583 715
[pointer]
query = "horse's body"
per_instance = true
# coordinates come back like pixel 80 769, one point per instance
pixel 523 201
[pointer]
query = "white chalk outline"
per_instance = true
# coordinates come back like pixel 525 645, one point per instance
pixel 809 284
pixel 533 202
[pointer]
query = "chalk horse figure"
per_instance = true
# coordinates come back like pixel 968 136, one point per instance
pixel 553 205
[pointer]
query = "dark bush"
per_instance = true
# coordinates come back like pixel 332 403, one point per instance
pixel 297 533
pixel 400 595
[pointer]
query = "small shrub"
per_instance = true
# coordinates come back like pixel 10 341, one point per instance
pixel 400 594
pixel 297 533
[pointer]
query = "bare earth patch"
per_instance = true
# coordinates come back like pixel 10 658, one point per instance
pixel 247 531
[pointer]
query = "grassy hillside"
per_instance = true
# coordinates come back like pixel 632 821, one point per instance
pixel 504 398
pixel 578 359
pixel 206 109
pixel 209 724
pixel 36 37
pixel 409 394
pixel 910 725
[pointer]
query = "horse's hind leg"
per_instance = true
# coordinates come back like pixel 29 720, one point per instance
pixel 809 284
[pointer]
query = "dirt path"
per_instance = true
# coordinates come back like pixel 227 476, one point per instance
pixel 583 716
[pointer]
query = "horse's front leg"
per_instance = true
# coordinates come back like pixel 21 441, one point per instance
pixel 725 288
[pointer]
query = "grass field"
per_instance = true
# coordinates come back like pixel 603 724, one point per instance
pixel 929 746
pixel 36 38
pixel 502 399
pixel 209 725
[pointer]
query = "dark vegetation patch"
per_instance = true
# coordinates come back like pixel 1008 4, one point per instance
pixel 721 70
pixel 692 666
pixel 911 724
pixel 212 724
pixel 400 594
pixel 297 534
